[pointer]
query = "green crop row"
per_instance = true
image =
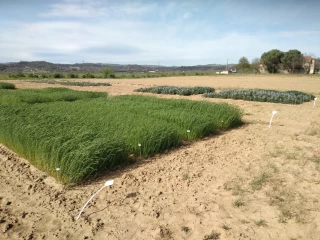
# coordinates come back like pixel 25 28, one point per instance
pixel 32 96
pixel 71 83
pixel 186 91
pixel 288 97
pixel 84 137
pixel 5 85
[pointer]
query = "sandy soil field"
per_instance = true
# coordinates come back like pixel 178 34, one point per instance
pixel 248 183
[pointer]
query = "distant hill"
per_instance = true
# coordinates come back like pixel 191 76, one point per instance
pixel 47 67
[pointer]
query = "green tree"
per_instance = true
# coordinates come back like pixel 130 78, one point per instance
pixel 272 60
pixel 107 72
pixel 292 59
pixel 243 64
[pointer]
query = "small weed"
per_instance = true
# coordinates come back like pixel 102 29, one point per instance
pixel 165 233
pixel 43 176
pixel 273 167
pixel 243 221
pixel 292 204
pixel 276 152
pixel 185 229
pixel 185 176
pixel 235 185
pixel 314 129
pixel 291 155
pixel 69 185
pixel 315 158
pixel 285 215
pixel 261 223
pixel 212 236
pixel 225 227
pixel 259 181
pixel 238 203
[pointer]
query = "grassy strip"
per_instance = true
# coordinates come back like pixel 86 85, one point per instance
pixel 69 83
pixel 33 96
pixel 186 91
pixel 4 85
pixel 288 97
pixel 86 136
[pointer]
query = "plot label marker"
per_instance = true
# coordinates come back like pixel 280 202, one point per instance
pixel 108 183
pixel 273 113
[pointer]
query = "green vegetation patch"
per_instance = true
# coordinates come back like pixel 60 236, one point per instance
pixel 87 136
pixel 32 96
pixel 288 97
pixel 186 91
pixel 5 85
pixel 71 83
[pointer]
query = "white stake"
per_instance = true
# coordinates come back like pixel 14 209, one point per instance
pixel 273 113
pixel 188 131
pixel 139 145
pixel 108 183
pixel 314 103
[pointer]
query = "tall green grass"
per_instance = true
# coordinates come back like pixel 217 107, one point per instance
pixel 45 95
pixel 86 136
pixel 5 85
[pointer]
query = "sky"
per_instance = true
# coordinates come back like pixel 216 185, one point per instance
pixel 169 33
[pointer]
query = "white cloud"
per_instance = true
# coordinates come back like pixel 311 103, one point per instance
pixel 134 42
pixel 76 8
pixel 93 9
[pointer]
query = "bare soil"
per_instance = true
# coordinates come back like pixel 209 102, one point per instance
pixel 252 182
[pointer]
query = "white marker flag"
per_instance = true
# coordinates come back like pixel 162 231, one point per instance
pixel 273 113
pixel 108 183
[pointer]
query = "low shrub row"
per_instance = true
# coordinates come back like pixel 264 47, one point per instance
pixel 288 97
pixel 71 83
pixel 186 91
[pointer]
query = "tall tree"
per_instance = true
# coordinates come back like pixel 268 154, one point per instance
pixel 292 59
pixel 272 60
pixel 243 64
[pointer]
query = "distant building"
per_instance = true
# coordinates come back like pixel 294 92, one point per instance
pixel 309 64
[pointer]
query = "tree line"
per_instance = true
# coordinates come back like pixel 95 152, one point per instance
pixel 276 61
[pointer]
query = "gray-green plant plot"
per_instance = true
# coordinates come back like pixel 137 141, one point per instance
pixel 173 90
pixel 259 95
pixel 83 133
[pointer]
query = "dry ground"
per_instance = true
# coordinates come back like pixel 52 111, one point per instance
pixel 248 183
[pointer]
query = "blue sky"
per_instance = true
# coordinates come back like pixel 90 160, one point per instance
pixel 172 33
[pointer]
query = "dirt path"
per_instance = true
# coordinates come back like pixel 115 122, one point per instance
pixel 248 183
